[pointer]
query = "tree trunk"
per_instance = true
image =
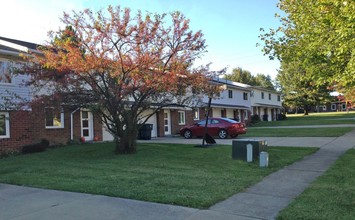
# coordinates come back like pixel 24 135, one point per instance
pixel 127 144
pixel 306 110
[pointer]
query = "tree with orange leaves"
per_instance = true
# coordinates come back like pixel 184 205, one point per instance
pixel 120 66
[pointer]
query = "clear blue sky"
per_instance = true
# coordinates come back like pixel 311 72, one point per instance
pixel 231 27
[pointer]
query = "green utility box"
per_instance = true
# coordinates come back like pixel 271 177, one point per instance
pixel 239 148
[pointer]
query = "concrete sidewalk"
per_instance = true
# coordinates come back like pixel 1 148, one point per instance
pixel 271 141
pixel 261 201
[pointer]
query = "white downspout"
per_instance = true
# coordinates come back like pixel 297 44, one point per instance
pixel 72 124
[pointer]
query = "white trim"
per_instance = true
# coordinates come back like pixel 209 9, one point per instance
pixel 196 111
pixel 14 46
pixel 90 127
pixel 54 126
pixel 72 124
pixel 333 107
pixel 181 119
pixel 7 125
pixel 167 122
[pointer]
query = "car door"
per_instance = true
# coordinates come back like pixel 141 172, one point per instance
pixel 199 129
pixel 214 126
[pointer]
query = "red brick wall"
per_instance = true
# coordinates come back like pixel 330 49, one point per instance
pixel 55 136
pixel 20 132
pixel 160 123
pixel 61 136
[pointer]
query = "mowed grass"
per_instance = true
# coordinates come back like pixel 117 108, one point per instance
pixel 164 173
pixel 331 196
pixel 312 119
pixel 297 132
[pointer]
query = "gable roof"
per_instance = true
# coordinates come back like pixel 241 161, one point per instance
pixel 12 45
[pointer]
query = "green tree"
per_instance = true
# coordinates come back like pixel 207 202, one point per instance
pixel 264 81
pixel 244 76
pixel 298 89
pixel 319 35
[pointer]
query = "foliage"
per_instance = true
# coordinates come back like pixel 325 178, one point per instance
pixel 37 147
pixel 119 66
pixel 317 37
pixel 244 76
pixel 281 117
pixel 255 119
pixel 331 196
pixel 299 89
pixel 165 173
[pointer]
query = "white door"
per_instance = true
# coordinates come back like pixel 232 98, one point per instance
pixel 167 126
pixel 87 125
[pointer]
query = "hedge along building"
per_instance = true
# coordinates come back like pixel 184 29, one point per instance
pixel 24 120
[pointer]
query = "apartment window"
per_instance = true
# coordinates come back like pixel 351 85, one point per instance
pixel 196 114
pixel 245 96
pixel 4 125
pixel 181 118
pixel 230 94
pixel 54 118
pixel 343 106
pixel 6 68
pixel 278 98
pixel 269 96
pixel 262 95
pixel 334 107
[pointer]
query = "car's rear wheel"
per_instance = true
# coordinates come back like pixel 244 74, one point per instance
pixel 222 134
pixel 187 134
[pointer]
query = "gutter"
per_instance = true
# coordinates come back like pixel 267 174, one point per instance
pixel 72 124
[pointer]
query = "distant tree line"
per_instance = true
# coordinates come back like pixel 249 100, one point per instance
pixel 244 76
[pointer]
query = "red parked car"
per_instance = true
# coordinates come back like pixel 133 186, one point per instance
pixel 221 127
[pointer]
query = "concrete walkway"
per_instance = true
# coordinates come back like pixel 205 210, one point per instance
pixel 261 201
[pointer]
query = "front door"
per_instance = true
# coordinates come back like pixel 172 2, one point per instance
pixel 167 127
pixel 87 125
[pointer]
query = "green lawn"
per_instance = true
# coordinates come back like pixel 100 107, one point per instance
pixel 164 173
pixel 312 119
pixel 296 132
pixel 331 196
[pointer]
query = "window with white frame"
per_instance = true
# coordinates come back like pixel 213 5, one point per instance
pixel 262 95
pixel 334 107
pixel 269 96
pixel 4 125
pixel 6 68
pixel 230 94
pixel 278 98
pixel 245 96
pixel 54 118
pixel 196 114
pixel 343 106
pixel 181 118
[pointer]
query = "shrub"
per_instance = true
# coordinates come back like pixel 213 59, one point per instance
pixel 38 147
pixel 255 119
pixel 281 117
pixel 265 117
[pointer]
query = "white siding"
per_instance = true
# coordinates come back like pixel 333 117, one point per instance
pixel 16 88
pixel 106 136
